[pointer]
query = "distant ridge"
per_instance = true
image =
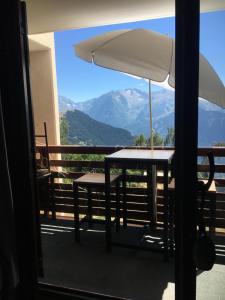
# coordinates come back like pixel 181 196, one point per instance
pixel 66 104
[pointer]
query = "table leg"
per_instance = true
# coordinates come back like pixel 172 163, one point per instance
pixel 152 195
pixel 89 207
pixel 108 229
pixel 165 214
pixel 117 206
pixel 76 214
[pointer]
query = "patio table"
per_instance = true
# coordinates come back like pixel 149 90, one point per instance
pixel 141 159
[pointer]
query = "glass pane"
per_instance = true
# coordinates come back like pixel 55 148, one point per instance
pixel 210 284
pixel 102 110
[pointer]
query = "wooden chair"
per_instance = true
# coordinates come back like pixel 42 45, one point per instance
pixel 206 189
pixel 91 182
pixel 45 180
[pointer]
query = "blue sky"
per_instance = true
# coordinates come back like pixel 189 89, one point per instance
pixel 79 80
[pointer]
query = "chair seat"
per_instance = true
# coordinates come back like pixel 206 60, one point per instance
pixel 212 188
pixel 171 186
pixel 43 173
pixel 93 179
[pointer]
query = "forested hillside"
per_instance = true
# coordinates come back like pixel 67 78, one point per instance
pixel 82 129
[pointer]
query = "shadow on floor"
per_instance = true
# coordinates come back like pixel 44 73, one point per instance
pixel 125 273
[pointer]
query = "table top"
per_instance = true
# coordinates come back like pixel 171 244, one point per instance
pixel 142 155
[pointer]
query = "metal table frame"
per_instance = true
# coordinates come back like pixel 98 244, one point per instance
pixel 146 160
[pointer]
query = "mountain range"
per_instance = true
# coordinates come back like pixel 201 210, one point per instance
pixel 129 109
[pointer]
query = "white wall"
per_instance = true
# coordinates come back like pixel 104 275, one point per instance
pixel 44 86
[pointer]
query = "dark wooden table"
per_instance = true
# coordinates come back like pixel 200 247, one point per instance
pixel 139 159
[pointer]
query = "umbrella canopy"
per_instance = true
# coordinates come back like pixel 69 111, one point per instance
pixel 149 55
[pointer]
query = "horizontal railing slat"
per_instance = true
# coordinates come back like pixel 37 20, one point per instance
pixel 77 149
pixel 136 196
pixel 77 163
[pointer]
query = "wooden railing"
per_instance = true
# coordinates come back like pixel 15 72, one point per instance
pixel 68 168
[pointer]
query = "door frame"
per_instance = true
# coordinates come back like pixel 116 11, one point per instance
pixel 15 83
pixel 186 144
pixel 16 105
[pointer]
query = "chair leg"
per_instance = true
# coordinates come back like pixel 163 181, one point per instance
pixel 52 198
pixel 212 214
pixel 108 227
pixel 47 206
pixel 43 196
pixel 89 207
pixel 117 206
pixel 124 199
pixel 171 221
pixel 76 214
pixel 165 213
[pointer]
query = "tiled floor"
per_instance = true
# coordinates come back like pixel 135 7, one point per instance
pixel 131 274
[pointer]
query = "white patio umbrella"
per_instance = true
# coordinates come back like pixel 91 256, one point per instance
pixel 149 55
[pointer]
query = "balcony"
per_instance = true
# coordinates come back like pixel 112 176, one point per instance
pixel 126 273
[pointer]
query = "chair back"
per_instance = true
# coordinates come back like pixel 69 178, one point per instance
pixel 45 162
pixel 211 171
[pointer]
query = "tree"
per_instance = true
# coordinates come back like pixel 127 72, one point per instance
pixel 170 137
pixel 64 130
pixel 220 144
pixel 140 140
pixel 157 140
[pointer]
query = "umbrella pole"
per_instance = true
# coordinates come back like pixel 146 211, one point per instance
pixel 152 172
pixel 150 113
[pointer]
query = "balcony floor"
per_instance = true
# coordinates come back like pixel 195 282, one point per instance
pixel 131 274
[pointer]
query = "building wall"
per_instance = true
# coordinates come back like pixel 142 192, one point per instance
pixel 44 86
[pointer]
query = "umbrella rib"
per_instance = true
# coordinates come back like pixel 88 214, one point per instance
pixel 171 58
pixel 108 41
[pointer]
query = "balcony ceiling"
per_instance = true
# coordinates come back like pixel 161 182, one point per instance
pixel 57 15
